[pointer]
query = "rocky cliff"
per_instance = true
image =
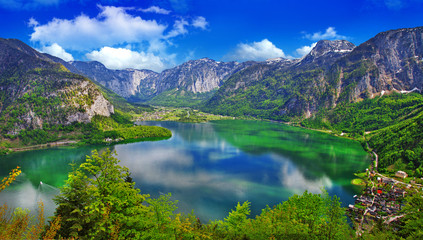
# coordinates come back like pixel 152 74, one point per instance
pixel 195 77
pixel 334 72
pixel 325 53
pixel 34 91
pixel 126 82
pixel 391 61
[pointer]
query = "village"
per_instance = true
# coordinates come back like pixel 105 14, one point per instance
pixel 382 199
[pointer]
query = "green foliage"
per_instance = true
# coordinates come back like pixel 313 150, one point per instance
pixel 395 122
pixel 412 222
pixel 19 224
pixel 180 98
pixel 402 143
pixel 97 202
pixel 309 216
pixel 136 132
pixel 4 147
pixel 233 227
pixel 276 96
pixel 369 114
pixel 36 136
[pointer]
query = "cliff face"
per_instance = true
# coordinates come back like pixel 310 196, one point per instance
pixel 391 61
pixel 325 53
pixel 126 83
pixel 196 76
pixel 35 91
pixel 334 72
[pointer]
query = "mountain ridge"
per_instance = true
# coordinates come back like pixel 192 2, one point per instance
pixel 36 91
pixel 195 76
pixel 301 90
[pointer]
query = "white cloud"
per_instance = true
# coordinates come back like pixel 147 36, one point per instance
pixel 200 22
pixel 257 51
pixel 155 9
pixel 302 51
pixel 32 22
pixel 121 58
pixel 112 29
pixel 178 28
pixel 112 26
pixel 329 34
pixel 57 51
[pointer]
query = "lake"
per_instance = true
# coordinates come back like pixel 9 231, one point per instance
pixel 208 167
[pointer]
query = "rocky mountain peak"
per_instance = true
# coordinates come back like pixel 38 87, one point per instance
pixel 390 61
pixel 326 52
pixel 337 46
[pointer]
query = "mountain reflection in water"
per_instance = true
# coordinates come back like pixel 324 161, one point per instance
pixel 209 167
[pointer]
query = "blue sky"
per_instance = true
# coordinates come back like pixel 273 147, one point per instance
pixel 159 34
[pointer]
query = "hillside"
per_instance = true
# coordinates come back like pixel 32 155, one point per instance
pixel 36 91
pixel 334 72
pixel 41 101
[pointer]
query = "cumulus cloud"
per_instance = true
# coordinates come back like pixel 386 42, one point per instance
pixel 302 51
pixel 111 30
pixel 200 22
pixel 120 58
pixel 57 51
pixel 112 26
pixel 329 34
pixel 155 9
pixel 257 51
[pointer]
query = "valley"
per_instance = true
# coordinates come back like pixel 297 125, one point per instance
pixel 369 96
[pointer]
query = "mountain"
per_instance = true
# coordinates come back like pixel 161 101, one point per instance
pixel 190 80
pixel 334 72
pixel 36 91
pixel 391 61
pixel 126 82
pixel 326 52
pixel 279 90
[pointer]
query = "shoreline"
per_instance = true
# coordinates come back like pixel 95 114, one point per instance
pixel 42 146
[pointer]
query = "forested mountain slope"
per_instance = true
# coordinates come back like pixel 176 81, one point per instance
pixel 35 91
pixel 334 72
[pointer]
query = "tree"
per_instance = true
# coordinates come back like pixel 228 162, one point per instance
pixel 19 224
pixel 306 216
pixel 412 222
pixel 97 202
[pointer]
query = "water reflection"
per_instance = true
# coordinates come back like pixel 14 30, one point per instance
pixel 210 167
pixel 213 166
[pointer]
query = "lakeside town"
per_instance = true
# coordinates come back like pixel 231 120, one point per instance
pixel 382 199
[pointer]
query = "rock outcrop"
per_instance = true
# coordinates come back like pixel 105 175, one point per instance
pixel 195 76
pixel 391 61
pixel 37 91
pixel 333 72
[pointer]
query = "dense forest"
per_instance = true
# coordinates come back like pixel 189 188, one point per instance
pixel 391 125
